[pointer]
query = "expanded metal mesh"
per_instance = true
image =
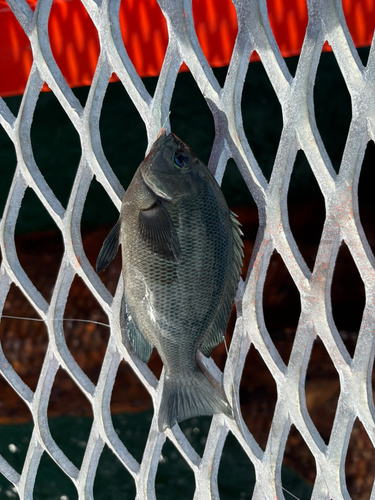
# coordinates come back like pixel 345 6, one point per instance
pixel 295 94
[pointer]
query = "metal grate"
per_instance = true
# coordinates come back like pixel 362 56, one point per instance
pixel 326 23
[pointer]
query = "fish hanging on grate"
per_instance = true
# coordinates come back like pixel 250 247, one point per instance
pixel 181 261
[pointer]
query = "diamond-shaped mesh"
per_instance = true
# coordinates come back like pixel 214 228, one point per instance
pixel 295 94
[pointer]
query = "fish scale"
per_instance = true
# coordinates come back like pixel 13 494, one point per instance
pixel 182 256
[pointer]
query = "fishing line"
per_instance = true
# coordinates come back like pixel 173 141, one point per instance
pixel 163 128
pixel 165 121
pixel 63 319
pixel 106 324
pixel 236 403
pixel 226 348
pixel 287 491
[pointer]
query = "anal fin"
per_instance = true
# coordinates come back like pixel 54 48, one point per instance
pixel 140 344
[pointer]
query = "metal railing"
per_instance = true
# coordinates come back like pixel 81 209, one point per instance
pixel 295 94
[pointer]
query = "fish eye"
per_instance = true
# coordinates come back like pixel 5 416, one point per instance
pixel 181 159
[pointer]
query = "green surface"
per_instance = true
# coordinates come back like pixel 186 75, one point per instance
pixel 174 479
pixel 57 149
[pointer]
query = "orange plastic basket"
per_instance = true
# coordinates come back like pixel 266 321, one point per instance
pixel 75 42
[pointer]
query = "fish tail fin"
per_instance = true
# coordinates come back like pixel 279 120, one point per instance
pixel 190 397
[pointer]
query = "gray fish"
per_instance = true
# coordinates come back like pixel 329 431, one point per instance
pixel 181 261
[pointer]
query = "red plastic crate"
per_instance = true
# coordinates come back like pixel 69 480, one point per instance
pixel 75 42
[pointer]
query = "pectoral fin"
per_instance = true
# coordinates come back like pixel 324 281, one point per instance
pixel 109 248
pixel 158 232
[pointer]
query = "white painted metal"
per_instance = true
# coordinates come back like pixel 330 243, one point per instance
pixel 326 22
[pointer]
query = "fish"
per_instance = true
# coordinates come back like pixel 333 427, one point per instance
pixel 182 255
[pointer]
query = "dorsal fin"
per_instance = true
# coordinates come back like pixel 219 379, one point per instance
pixel 216 334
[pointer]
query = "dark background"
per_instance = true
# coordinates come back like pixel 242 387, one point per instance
pixel 39 245
pixel 57 149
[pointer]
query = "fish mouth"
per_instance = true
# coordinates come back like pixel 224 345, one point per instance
pixel 158 177
pixel 162 138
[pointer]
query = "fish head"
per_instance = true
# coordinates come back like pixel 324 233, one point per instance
pixel 171 170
